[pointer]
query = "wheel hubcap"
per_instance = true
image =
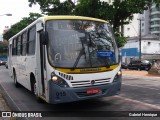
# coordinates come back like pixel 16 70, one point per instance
pixel 35 89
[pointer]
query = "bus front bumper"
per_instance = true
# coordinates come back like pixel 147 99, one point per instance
pixel 59 94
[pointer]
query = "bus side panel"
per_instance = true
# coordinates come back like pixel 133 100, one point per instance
pixel 30 68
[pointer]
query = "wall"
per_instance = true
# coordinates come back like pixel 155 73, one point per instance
pixel 149 46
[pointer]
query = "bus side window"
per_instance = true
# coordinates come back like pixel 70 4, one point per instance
pixel 13 47
pixel 31 41
pixel 24 43
pixel 19 45
pixel 14 51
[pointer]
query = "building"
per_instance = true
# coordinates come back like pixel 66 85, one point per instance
pixel 155 20
pixel 150 45
pixel 131 30
pixel 145 22
pixel 150 23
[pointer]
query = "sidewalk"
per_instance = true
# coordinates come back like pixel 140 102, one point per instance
pixel 138 73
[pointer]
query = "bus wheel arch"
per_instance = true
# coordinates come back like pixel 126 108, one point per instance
pixel 15 78
pixel 34 87
pixel 32 82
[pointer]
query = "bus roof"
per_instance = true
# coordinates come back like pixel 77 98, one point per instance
pixel 72 18
pixel 59 17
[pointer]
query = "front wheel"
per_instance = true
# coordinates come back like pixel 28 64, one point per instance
pixel 38 99
pixel 15 80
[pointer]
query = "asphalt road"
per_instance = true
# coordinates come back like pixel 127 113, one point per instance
pixel 138 94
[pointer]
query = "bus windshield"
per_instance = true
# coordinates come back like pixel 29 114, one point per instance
pixel 80 44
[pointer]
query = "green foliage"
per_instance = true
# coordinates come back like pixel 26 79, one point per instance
pixel 54 7
pixel 3 48
pixel 20 25
pixel 118 13
pixel 120 40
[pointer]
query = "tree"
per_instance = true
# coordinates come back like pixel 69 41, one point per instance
pixel 118 13
pixel 54 7
pixel 20 25
pixel 3 48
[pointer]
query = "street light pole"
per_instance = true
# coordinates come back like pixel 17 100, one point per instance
pixel 140 20
pixel 8 14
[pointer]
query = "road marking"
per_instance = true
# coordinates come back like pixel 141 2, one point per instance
pixel 141 86
pixel 133 75
pixel 139 102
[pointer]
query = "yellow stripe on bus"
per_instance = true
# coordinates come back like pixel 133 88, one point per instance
pixel 43 98
pixel 86 70
pixel 72 18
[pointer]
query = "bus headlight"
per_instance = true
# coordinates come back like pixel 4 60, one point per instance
pixel 119 72
pixel 59 81
pixel 54 78
pixel 117 76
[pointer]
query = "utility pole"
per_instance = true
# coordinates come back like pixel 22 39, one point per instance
pixel 140 20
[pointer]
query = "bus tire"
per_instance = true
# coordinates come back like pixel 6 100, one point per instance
pixel 34 90
pixel 15 79
pixel 38 99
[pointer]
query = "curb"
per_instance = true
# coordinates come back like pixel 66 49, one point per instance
pixel 10 104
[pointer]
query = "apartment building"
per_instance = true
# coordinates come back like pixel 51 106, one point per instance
pixel 155 20
pixel 150 21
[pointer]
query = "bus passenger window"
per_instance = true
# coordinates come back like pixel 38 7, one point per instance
pixel 14 52
pixel 19 46
pixel 24 44
pixel 31 41
pixel 12 47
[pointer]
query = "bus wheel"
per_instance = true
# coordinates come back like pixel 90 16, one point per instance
pixel 39 100
pixel 15 80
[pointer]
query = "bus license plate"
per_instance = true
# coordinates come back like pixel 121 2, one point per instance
pixel 93 91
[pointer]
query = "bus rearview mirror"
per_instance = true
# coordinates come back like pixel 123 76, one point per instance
pixel 44 37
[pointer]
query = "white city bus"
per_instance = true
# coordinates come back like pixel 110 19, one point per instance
pixel 66 58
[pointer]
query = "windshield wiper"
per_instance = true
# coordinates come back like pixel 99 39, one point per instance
pixel 78 58
pixel 82 52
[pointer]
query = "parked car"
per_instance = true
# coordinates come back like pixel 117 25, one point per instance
pixel 140 65
pixel 124 66
pixel 3 61
pixel 6 65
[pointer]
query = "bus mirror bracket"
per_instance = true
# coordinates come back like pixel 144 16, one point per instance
pixel 44 37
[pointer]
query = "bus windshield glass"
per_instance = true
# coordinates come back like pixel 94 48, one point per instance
pixel 80 44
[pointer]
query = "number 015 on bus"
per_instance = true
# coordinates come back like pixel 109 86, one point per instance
pixel 66 58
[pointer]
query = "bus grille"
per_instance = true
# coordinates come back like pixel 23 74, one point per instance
pixel 68 77
pixel 88 82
